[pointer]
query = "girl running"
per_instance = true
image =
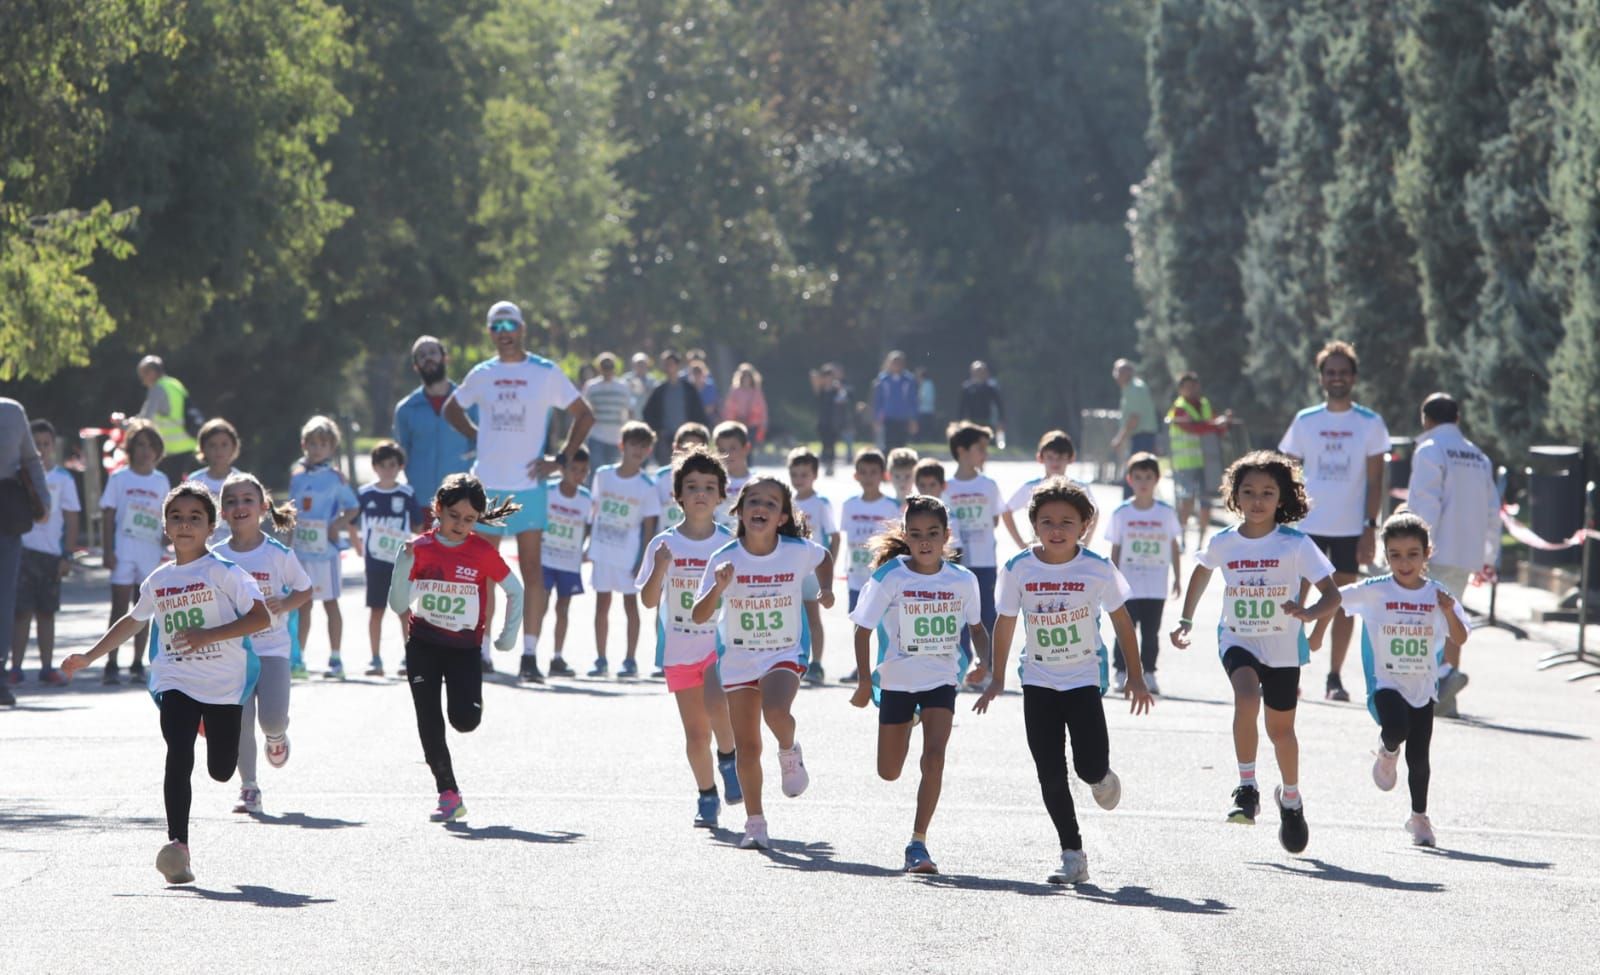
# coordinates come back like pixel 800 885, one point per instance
pixel 446 572
pixel 200 669
pixel 1405 620
pixel 1265 565
pixel 766 642
pixel 1060 589
pixel 325 507
pixel 219 448
pixel 686 651
pixel 284 587
pixel 130 512
pixel 919 604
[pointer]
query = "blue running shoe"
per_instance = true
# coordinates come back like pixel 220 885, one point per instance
pixel 628 671
pixel 917 858
pixel 706 816
pixel 730 781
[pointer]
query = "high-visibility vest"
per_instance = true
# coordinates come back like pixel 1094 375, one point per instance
pixel 1187 453
pixel 170 426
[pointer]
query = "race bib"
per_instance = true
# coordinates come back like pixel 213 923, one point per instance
pixel 143 523
pixel 198 609
pixel 762 622
pixel 860 559
pixel 1258 610
pixel 1405 651
pixel 311 536
pixel 930 628
pixel 973 521
pixel 1145 551
pixel 1066 636
pixel 612 526
pixel 447 605
pixel 563 540
pixel 673 515
pixel 680 599
pixel 384 541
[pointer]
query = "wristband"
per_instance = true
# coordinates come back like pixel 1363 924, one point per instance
pixel 1185 621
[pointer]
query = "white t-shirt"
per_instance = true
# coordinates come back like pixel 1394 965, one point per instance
pixel 514 400
pixel 819 517
pixel 621 504
pixel 919 619
pixel 671 510
pixel 762 621
pixel 724 513
pixel 566 520
pixel 1023 494
pixel 1403 634
pixel 1259 575
pixel 679 639
pixel 277 572
pixel 1334 448
pixel 46 537
pixel 974 505
pixel 207 592
pixel 861 519
pixel 1058 610
pixel 220 533
pixel 137 499
pixel 1146 538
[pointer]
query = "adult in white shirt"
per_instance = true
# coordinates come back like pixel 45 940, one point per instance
pixel 514 393
pixel 611 399
pixel 1341 445
pixel 1453 489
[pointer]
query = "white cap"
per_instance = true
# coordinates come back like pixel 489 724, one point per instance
pixel 505 309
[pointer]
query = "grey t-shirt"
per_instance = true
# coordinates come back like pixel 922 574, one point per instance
pixel 17 453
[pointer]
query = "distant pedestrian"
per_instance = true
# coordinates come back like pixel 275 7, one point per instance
pixel 434 449
pixel 1194 436
pixel 20 509
pixel 927 401
pixel 894 402
pixel 166 406
pixel 710 398
pixel 640 381
pixel 1139 424
pixel 672 404
pixel 981 402
pixel 611 399
pixel 747 403
pixel 834 410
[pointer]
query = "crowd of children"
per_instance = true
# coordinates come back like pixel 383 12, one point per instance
pixel 738 568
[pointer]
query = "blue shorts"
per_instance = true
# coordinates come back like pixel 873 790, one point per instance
pixel 379 574
pixel 530 519
pixel 564 581
pixel 898 707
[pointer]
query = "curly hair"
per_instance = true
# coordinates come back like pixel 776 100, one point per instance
pixel 697 460
pixel 1292 502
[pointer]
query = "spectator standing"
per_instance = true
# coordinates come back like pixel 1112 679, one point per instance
pixel 1139 425
pixel 834 410
pixel 981 402
pixel 611 399
pixel 894 402
pixel 640 382
pixel 672 404
pixel 1194 435
pixel 747 403
pixel 166 406
pixel 710 399
pixel 21 507
pixel 434 449
pixel 927 401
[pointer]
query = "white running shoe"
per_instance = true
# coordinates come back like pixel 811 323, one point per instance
pixel 755 834
pixel 1384 768
pixel 1108 791
pixel 249 800
pixel 1420 829
pixel 795 778
pixel 173 862
pixel 1119 683
pixel 277 750
pixel 1151 684
pixel 1074 868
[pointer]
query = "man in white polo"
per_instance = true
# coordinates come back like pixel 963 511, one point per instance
pixel 514 393
pixel 1341 444
pixel 1453 490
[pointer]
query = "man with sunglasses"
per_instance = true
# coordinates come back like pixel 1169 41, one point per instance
pixel 514 393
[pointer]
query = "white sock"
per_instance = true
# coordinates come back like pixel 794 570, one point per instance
pixel 530 644
pixel 1444 670
pixel 1247 773
pixel 1290 796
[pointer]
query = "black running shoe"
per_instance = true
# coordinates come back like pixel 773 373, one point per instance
pixel 136 673
pixel 110 675
pixel 529 674
pixel 559 668
pixel 1246 803
pixel 1336 691
pixel 1292 830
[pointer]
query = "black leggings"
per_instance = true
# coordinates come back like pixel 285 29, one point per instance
pixel 1403 723
pixel 1146 615
pixel 428 665
pixel 180 724
pixel 1050 716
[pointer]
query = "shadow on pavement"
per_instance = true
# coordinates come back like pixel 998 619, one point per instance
pixel 807 857
pixel 1328 871
pixel 1466 857
pixel 1536 732
pixel 253 895
pixel 567 688
pixel 465 832
pixel 304 821
pixel 1178 699
pixel 1145 897
pixel 956 881
pixel 20 820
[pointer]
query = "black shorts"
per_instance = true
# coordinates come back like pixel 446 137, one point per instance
pixel 898 707
pixel 1280 686
pixel 379 574
pixel 1341 551
pixel 39 583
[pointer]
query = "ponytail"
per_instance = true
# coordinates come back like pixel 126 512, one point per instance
pixel 892 543
pixel 283 515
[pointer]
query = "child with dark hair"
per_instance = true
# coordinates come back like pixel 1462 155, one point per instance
pixel 218 450
pixel 824 530
pixel 441 591
pixel 974 502
pixel 688 435
pixel 1055 454
pixel 130 511
pixel 732 441
pixel 1146 540
pixel 1266 567
pixel 626 507
pixel 861 519
pixel 928 477
pixel 569 510
pixel 390 514
pixel 45 562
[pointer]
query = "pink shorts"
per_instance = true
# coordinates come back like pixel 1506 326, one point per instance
pixel 789 665
pixel 682 677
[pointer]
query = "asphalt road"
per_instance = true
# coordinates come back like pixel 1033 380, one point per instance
pixel 578 854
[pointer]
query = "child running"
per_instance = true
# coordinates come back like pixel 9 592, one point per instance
pixel 1405 620
pixel 929 478
pixel 201 671
pixel 862 518
pixel 919 603
pixel 569 507
pixel 818 512
pixel 131 519
pixel 1264 567
pixel 45 562
pixel 903 474
pixel 686 651
pixel 753 585
pixel 690 434
pixel 446 572
pixel 324 506
pixel 284 588
pixel 390 514
pixel 974 502
pixel 733 444
pixel 1145 540
pixel 1056 452
pixel 625 510
pixel 1060 588
pixel 219 448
